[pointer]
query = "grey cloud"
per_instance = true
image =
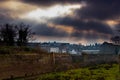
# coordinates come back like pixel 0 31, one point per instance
pixel 50 2
pixel 100 9
pixel 44 30
pixel 84 25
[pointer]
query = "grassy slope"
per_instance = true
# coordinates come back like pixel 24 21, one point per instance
pixel 100 72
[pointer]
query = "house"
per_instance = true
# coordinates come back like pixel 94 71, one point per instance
pixel 91 51
pixel 63 51
pixel 73 51
pixel 54 49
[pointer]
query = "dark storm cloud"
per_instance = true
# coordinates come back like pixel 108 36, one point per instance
pixel 44 30
pixel 50 2
pixel 89 35
pixel 94 9
pixel 4 15
pixel 117 29
pixel 5 18
pixel 84 25
pixel 88 18
pixel 100 9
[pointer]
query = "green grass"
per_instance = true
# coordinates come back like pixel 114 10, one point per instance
pixel 99 72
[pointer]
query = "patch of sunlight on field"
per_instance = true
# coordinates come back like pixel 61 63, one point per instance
pixel 100 72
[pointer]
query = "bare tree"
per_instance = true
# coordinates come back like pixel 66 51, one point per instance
pixel 24 34
pixel 11 34
pixel 7 34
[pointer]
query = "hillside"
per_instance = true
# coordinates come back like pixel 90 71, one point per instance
pixel 28 62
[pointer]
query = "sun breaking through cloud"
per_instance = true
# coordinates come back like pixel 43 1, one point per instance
pixel 52 12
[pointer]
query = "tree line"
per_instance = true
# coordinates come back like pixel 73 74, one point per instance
pixel 11 34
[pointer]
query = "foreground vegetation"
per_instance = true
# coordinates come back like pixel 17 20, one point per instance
pixel 20 50
pixel 99 72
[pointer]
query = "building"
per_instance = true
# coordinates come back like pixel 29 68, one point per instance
pixel 73 52
pixel 54 50
pixel 57 47
pixel 108 48
pixel 91 51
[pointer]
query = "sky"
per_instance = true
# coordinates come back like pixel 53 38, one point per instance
pixel 73 21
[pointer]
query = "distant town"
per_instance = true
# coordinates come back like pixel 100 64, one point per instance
pixel 58 47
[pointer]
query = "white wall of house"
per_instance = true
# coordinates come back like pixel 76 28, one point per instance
pixel 54 49
pixel 64 51
pixel 73 52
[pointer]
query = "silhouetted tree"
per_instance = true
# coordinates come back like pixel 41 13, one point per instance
pixel 24 33
pixel 7 34
pixel 11 34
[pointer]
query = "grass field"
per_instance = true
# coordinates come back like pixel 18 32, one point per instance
pixel 99 72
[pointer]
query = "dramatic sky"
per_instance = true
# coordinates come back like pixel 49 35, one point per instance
pixel 75 21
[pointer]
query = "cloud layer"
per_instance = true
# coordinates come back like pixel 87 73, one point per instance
pixel 88 22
